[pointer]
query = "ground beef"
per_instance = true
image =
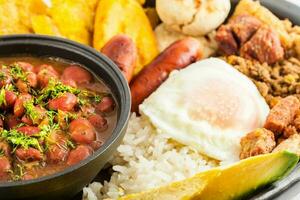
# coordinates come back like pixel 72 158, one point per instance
pixel 279 80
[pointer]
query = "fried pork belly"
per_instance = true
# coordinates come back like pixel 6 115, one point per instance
pixel 259 141
pixel 282 114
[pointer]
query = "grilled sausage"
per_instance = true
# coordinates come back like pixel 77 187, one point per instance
pixel 122 51
pixel 178 55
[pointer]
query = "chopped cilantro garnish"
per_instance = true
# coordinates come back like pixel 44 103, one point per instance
pixel 47 129
pixel 54 89
pixel 2 152
pixel 18 173
pixel 70 144
pixel 51 115
pixel 31 111
pixel 98 98
pixel 8 87
pixel 86 96
pixel 18 139
pixel 2 76
pixel 2 97
pixel 17 72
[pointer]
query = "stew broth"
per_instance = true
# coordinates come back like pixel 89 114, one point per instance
pixel 54 113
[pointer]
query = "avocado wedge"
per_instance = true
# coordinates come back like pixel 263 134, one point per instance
pixel 242 179
pixel 237 181
pixel 183 190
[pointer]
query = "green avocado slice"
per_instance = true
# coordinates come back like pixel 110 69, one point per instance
pixel 241 180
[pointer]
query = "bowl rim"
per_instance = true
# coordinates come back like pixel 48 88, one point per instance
pixel 124 110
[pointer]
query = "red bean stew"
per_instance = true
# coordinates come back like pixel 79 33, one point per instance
pixel 53 114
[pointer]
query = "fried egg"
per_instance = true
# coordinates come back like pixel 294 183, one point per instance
pixel 208 106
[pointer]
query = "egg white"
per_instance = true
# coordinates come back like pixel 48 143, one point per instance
pixel 208 106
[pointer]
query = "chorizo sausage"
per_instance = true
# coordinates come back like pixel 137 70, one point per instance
pixel 178 55
pixel 122 51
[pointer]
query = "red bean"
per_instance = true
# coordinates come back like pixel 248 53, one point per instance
pixel 45 73
pixel 82 131
pixel 57 137
pixel 26 66
pixel 56 153
pixel 10 98
pixel 30 154
pixel 22 86
pixel 98 122
pixel 66 102
pixel 5 167
pixel 4 146
pixel 28 177
pixel 29 130
pixel 7 79
pixel 77 74
pixel 69 82
pixel 78 154
pixel 96 144
pixel 27 120
pixel 106 105
pixel 12 121
pixel 19 109
pixel 32 79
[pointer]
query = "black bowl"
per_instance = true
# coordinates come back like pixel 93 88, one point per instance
pixel 67 183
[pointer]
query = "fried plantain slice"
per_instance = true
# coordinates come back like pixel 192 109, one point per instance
pixel 125 17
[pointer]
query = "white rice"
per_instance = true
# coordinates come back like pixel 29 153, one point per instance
pixel 147 159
